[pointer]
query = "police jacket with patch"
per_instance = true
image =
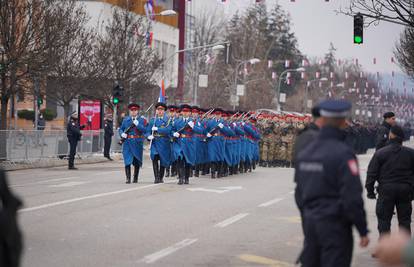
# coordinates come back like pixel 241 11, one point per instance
pixel 391 164
pixel 382 135
pixel 328 182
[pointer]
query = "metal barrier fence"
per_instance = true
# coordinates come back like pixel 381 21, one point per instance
pixel 19 145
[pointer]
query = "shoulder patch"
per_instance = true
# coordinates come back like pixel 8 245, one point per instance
pixel 353 167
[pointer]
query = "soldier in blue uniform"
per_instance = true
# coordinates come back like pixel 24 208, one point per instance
pixel 253 136
pixel 199 141
pixel 172 115
pixel 132 132
pixel 183 146
pixel 229 137
pixel 215 141
pixel 158 133
pixel 328 192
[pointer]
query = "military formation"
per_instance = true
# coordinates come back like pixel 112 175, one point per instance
pixel 187 141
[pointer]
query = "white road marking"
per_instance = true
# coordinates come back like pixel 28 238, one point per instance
pixel 231 220
pixel 68 184
pixel 199 189
pixel 63 202
pixel 167 251
pixel 230 188
pixel 221 190
pixel 47 181
pixel 271 202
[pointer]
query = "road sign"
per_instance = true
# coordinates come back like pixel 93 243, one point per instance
pixel 282 98
pixel 240 89
pixel 203 80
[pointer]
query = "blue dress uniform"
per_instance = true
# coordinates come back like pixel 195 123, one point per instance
pixel 215 145
pixel 159 133
pixel 253 136
pixel 199 141
pixel 133 145
pixel 328 194
pixel 237 146
pixel 184 147
pixel 229 136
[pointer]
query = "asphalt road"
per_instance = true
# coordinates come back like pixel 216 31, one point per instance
pixel 90 217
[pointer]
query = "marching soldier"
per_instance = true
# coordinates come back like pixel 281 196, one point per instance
pixel 183 146
pixel 173 115
pixel 215 143
pixel 132 132
pixel 158 133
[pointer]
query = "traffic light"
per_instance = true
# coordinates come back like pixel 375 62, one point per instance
pixel 117 94
pixel 358 28
pixel 39 100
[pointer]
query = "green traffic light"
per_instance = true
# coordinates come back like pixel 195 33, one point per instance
pixel 116 100
pixel 358 39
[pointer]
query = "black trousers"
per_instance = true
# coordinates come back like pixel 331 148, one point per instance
pixel 328 242
pixel 107 145
pixel 72 151
pixel 390 196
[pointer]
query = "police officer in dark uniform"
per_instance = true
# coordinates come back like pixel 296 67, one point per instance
pixel 11 244
pixel 108 133
pixel 328 192
pixel 384 129
pixel 74 136
pixel 393 168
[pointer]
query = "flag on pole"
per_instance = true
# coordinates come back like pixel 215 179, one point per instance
pixel 161 98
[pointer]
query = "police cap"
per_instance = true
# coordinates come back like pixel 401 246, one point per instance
pixel 335 108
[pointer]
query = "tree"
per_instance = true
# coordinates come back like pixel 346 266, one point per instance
pixel 122 48
pixel 395 11
pixel 404 51
pixel 71 71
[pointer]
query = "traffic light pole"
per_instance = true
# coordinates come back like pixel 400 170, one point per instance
pixel 115 118
pixel 37 92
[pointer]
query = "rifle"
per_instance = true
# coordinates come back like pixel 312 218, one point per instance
pixel 126 130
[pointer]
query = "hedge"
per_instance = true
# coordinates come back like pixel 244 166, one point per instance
pixel 48 114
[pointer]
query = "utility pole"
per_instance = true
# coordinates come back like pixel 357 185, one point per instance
pixel 181 46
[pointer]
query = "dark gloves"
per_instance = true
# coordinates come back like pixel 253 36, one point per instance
pixel 371 195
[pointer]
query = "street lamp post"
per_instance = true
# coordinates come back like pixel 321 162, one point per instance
pixel 308 84
pixel 280 83
pixel 251 61
pixel 217 46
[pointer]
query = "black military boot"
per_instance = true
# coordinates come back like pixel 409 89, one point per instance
pixel 236 170
pixel 241 168
pixel 128 174
pixel 207 168
pixel 204 169
pixel 155 168
pixel 213 170
pixel 188 171
pixel 136 173
pixel 230 170
pixel 197 171
pixel 161 174
pixel 167 172
pixel 180 172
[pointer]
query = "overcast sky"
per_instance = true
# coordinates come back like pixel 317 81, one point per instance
pixel 316 24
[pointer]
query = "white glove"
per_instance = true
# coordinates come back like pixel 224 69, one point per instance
pixel 220 125
pixel 136 122
pixel 243 123
pixel 154 128
pixel 234 124
pixel 209 135
pixel 191 124
pixel 124 135
pixel 176 135
pixel 150 137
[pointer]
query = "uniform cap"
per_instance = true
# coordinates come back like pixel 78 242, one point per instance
pixel 74 115
pixel 133 106
pixel 335 108
pixel 185 107
pixel 160 104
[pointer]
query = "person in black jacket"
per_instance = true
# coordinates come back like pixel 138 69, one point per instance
pixel 392 167
pixel 328 192
pixel 109 132
pixel 384 129
pixel 74 136
pixel 308 134
pixel 11 244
